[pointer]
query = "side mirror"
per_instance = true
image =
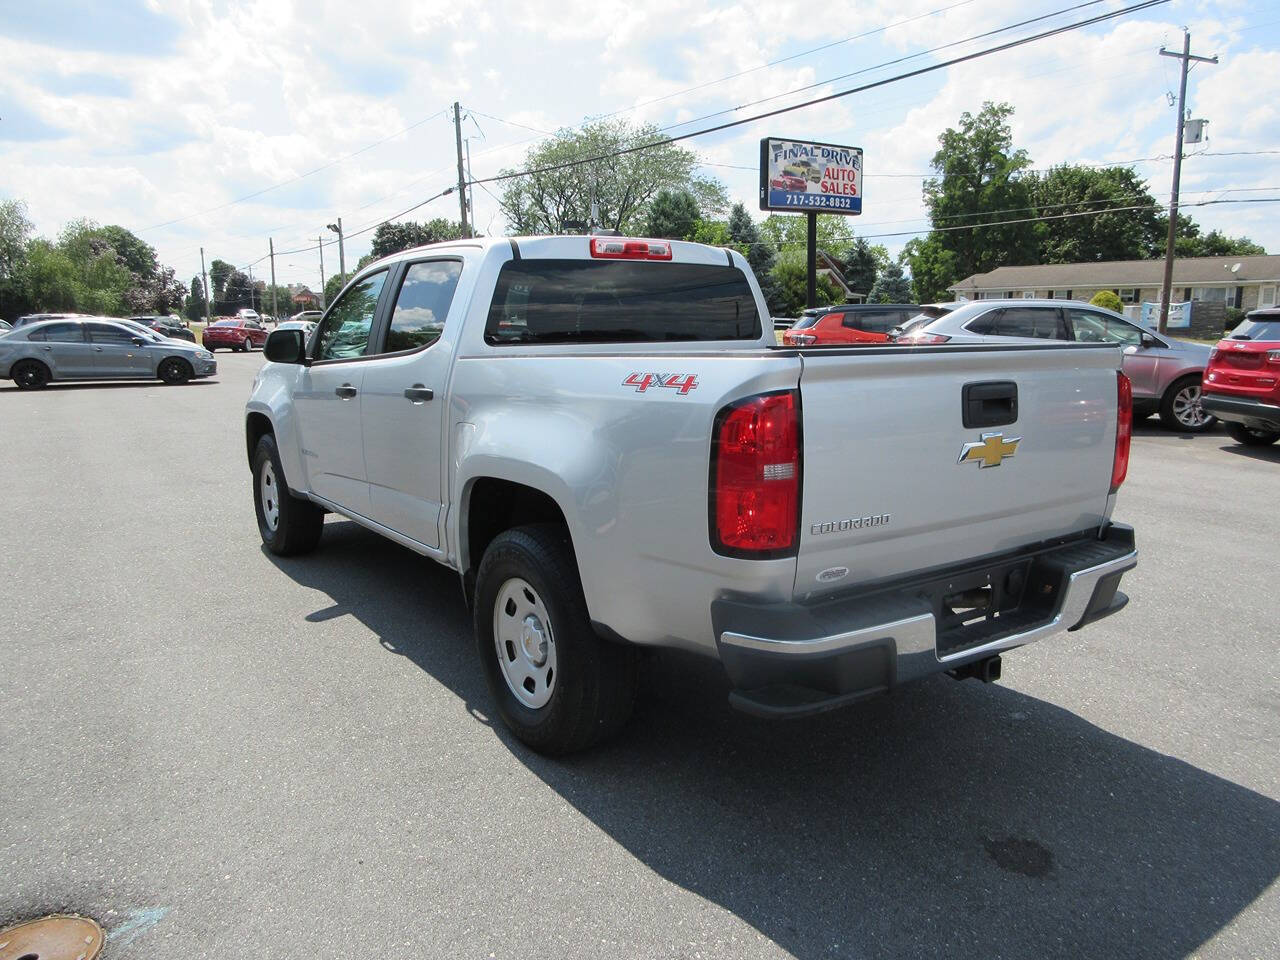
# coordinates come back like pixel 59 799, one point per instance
pixel 1149 341
pixel 286 346
pixel 138 342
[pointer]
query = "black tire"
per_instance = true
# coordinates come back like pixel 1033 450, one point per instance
pixel 209 348
pixel 299 522
pixel 595 682
pixel 1174 413
pixel 247 346
pixel 174 371
pixel 1251 437
pixel 30 375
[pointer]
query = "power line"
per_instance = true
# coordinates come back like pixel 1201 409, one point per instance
pixel 1009 45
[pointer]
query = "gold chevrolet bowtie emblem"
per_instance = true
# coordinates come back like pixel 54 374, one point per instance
pixel 990 451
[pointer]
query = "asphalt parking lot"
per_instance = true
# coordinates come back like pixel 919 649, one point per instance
pixel 218 753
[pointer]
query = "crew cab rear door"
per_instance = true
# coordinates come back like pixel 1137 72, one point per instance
pixel 915 458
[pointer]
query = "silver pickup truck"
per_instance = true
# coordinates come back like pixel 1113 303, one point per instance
pixel 602 437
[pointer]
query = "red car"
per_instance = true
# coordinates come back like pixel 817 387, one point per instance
pixel 788 182
pixel 234 333
pixel 850 323
pixel 1241 385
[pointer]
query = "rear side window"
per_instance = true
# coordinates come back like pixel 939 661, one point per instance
pixel 59 333
pixel 1040 324
pixel 873 321
pixel 804 323
pixel 422 304
pixel 1257 330
pixel 1090 327
pixel 594 301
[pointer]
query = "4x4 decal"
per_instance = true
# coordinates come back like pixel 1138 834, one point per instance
pixel 680 382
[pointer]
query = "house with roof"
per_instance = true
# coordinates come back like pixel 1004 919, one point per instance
pixel 1242 282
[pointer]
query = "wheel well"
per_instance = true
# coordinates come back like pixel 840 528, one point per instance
pixel 256 426
pixel 498 505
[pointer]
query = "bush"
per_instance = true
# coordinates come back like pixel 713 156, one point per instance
pixel 1108 301
pixel 1234 316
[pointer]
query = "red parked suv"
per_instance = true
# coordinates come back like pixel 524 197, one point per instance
pixel 235 333
pixel 1241 384
pixel 848 323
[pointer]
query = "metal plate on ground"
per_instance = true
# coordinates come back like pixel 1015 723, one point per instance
pixel 52 938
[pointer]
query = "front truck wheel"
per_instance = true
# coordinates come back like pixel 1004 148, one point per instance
pixel 289 525
pixel 557 685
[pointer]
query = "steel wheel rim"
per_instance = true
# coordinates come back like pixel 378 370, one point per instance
pixel 270 494
pixel 524 643
pixel 1187 409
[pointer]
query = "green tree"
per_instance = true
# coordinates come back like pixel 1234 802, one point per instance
pixel 980 180
pixel 332 287
pixel 891 286
pixel 1191 243
pixel 195 301
pixel 744 235
pixel 933 268
pixel 714 233
pixel 862 264
pixel 1108 300
pixel 391 238
pixel 1067 189
pixel 283 300
pixel 791 282
pixel 15 236
pixel 622 185
pixel 673 214
pixel 219 271
pixel 787 230
pixel 50 277
pixel 237 294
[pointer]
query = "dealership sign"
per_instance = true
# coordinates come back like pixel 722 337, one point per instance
pixel 801 176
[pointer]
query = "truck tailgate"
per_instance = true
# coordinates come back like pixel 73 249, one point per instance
pixel 894 482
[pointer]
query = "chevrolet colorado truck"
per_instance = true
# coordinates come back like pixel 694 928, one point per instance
pixel 602 437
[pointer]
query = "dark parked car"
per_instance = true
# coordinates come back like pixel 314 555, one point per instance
pixel 848 323
pixel 235 333
pixel 166 327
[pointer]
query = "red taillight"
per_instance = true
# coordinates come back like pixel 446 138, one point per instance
pixel 798 339
pixel 1124 430
pixel 614 248
pixel 755 477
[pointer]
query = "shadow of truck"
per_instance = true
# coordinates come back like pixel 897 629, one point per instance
pixel 951 819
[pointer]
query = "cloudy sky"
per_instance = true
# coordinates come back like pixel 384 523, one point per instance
pixel 220 124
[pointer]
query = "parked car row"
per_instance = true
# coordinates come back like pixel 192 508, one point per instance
pixel 97 348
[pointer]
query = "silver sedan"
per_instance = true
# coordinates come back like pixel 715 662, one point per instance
pixel 97 348
pixel 1165 372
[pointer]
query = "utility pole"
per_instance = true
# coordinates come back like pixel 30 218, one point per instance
pixel 342 256
pixel 320 247
pixel 811 244
pixel 204 280
pixel 271 246
pixel 471 190
pixel 1166 288
pixel 462 180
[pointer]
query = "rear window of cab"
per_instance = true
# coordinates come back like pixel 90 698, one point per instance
pixel 620 301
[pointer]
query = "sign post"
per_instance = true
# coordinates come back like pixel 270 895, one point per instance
pixel 800 176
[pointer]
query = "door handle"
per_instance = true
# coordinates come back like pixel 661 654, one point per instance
pixel 346 391
pixel 419 394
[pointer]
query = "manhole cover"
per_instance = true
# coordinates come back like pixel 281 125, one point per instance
pixel 52 938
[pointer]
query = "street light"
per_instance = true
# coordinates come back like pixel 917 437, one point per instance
pixel 342 258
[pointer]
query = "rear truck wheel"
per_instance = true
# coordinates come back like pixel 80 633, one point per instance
pixel 1180 407
pixel 1250 436
pixel 30 375
pixel 174 371
pixel 289 525
pixel 557 685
